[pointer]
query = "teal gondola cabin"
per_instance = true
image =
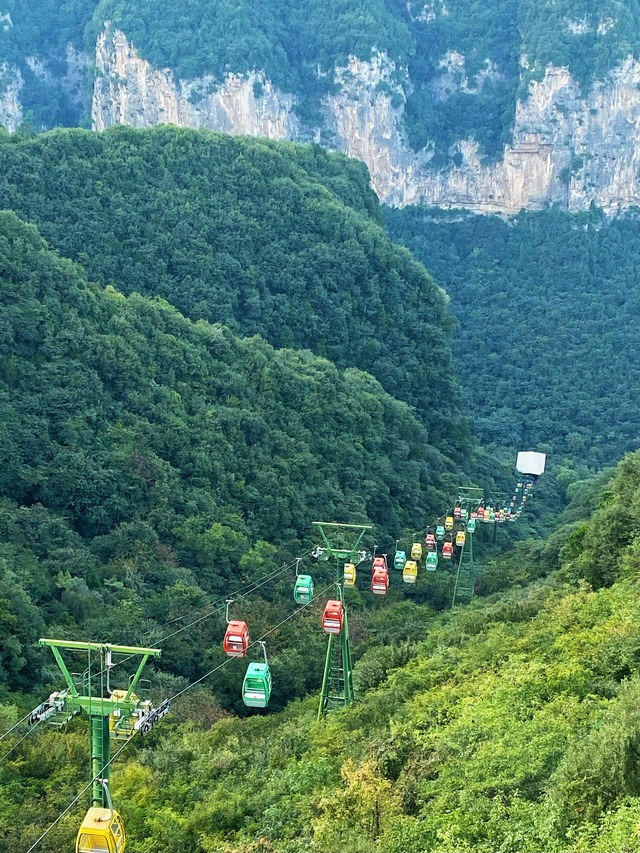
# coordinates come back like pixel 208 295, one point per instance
pixel 256 687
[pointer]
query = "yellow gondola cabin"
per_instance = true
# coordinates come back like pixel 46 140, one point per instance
pixel 102 831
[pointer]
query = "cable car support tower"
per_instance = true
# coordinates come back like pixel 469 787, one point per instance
pixel 464 587
pixel 113 713
pixel 341 542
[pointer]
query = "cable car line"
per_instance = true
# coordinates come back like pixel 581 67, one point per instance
pixel 171 699
pixel 118 713
pixel 17 743
pixel 254 642
pixel 14 726
pixel 236 596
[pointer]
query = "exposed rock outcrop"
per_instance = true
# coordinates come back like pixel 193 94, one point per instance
pixel 128 90
pixel 567 148
pixel 10 106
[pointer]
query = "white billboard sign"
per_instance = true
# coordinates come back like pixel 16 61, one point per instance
pixel 530 462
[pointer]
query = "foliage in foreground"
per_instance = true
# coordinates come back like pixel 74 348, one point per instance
pixel 511 725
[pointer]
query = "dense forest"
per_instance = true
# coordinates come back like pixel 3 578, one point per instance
pixel 547 339
pixel 299 47
pixel 149 462
pixel 274 239
pixel 509 724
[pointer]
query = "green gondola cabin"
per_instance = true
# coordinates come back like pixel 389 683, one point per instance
pixel 256 687
pixel 432 561
pixel 303 590
pixel 440 533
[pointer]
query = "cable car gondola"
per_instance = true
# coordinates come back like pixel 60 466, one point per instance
pixel 303 589
pixel 333 616
pixel 102 831
pixel 416 551
pixel 410 571
pixel 399 560
pixel 457 512
pixel 430 540
pixel 380 581
pixel 471 525
pixel 447 550
pixel 448 523
pixel 440 533
pixel 256 687
pixel 349 574
pixel 236 637
pixel 432 561
pixel 460 537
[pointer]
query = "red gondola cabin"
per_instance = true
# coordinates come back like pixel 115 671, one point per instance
pixel 431 542
pixel 457 512
pixel 236 639
pixel 447 550
pixel 333 617
pixel 380 581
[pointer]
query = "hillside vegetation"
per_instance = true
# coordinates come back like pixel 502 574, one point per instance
pixel 269 238
pixel 507 725
pixel 150 463
pixel 547 337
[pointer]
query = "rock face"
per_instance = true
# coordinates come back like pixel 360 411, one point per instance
pixel 129 91
pixel 566 148
pixel 10 106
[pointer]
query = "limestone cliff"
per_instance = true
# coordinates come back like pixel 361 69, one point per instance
pixel 128 90
pixel 566 148
pixel 10 106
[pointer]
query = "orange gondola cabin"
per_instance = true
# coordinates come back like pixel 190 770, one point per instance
pixel 333 617
pixel 380 581
pixel 236 639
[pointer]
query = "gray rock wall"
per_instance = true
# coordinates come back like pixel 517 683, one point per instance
pixel 566 149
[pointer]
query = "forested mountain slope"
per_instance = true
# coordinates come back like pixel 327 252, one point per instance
pixel 273 239
pixel 507 725
pixel 547 336
pixel 149 462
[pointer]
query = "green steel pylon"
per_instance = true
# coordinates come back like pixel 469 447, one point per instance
pixel 116 713
pixel 466 574
pixel 340 541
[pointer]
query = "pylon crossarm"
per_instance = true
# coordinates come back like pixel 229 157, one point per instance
pixel 136 677
pixel 81 646
pixel 63 669
pixel 340 550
